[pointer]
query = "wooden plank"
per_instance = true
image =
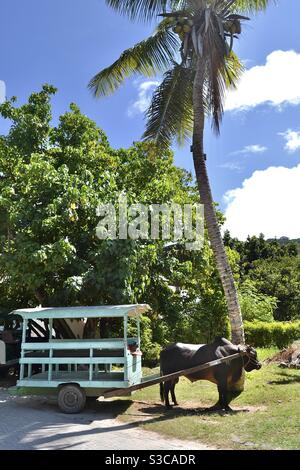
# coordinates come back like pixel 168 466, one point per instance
pixel 73 360
pixel 175 375
pixel 101 380
pixel 74 344
pixel 95 384
pixel 106 311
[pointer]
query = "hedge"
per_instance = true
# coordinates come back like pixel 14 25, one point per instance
pixel 280 334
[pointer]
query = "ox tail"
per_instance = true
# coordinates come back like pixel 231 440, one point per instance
pixel 162 394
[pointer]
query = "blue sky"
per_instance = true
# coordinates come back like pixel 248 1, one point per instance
pixel 254 166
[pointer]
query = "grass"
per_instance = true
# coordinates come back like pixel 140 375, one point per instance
pixel 265 416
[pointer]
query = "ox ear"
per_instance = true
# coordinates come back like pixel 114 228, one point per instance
pixel 228 350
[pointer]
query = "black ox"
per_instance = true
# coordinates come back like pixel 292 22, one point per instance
pixel 229 377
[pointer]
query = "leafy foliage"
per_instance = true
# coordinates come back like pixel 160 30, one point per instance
pixel 149 57
pixel 255 305
pixel 48 203
pixel 269 271
pixel 147 9
pixel 170 112
pixel 50 254
pixel 257 248
pixel 279 334
pixel 198 30
pixel 144 9
pixel 281 279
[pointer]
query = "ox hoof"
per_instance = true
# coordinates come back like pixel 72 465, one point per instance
pixel 175 403
pixel 216 407
pixel 227 409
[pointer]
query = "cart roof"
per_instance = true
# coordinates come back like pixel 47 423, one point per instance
pixel 107 311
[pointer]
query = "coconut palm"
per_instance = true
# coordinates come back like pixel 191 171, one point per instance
pixel 192 46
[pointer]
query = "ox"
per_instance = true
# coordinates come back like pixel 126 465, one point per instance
pixel 229 377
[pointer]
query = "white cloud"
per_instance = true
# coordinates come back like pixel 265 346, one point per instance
pixel 145 91
pixel 250 149
pixel 237 166
pixel 267 202
pixel 275 83
pixel 233 166
pixel 2 91
pixel 292 140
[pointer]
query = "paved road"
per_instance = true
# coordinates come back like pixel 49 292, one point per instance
pixel 36 423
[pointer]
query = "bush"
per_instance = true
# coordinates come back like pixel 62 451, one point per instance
pixel 255 305
pixel 280 334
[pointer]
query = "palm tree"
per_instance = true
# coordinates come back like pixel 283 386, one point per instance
pixel 192 46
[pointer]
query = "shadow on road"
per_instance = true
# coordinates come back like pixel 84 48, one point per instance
pixel 36 422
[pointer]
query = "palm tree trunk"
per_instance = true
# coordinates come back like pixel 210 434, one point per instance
pixel 214 233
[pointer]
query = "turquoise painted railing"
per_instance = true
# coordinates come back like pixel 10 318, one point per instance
pixel 53 376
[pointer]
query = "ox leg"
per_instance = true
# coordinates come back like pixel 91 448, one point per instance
pixel 220 403
pixel 222 397
pixel 223 400
pixel 167 388
pixel 173 384
pixel 221 380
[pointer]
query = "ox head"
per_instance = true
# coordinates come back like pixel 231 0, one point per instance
pixel 250 359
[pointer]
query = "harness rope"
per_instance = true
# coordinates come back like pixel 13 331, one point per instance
pixel 251 360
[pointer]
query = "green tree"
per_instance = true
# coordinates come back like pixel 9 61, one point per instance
pixel 279 278
pixel 49 252
pixel 52 180
pixel 256 248
pixel 202 32
pixel 254 304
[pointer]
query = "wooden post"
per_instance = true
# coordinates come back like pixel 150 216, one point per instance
pixel 91 366
pixel 125 349
pixel 139 331
pixel 22 351
pixel 50 365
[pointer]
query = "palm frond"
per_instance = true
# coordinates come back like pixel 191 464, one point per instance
pixel 222 70
pixel 203 41
pixel 170 114
pixel 145 10
pixel 225 78
pixel 153 55
pixel 212 59
pixel 233 70
pixel 250 6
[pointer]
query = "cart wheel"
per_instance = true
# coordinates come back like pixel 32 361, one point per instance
pixel 71 399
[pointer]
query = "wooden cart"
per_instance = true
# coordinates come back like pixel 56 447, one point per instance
pixel 79 368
